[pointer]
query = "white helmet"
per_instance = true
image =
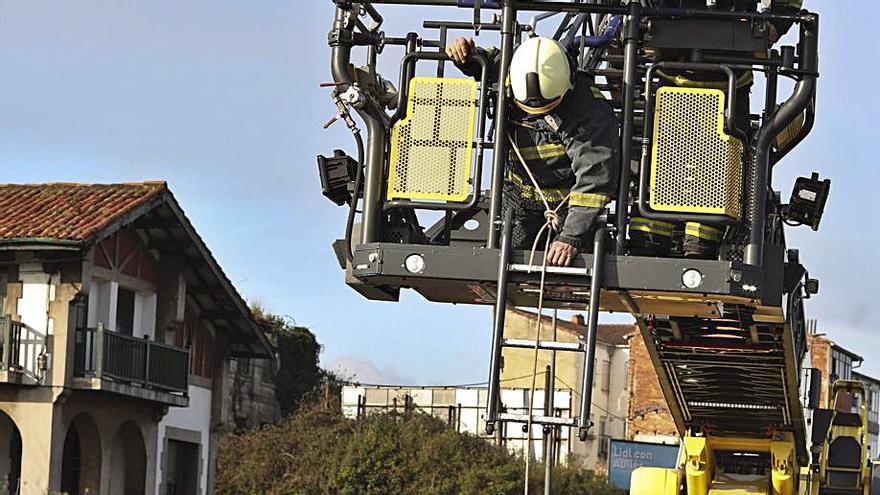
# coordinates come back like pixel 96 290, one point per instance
pixel 540 75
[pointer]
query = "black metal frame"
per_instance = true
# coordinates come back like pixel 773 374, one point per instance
pixel 348 33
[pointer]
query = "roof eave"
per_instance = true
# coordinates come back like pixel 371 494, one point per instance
pixel 246 315
pixel 40 244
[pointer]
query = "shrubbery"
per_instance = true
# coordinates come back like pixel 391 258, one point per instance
pixel 321 452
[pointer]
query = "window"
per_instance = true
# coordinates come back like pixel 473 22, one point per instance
pixel 181 468
pixel 606 375
pixel 604 439
pixel 3 283
pixel 604 442
pixel 125 311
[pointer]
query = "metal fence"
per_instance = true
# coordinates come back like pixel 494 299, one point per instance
pixel 10 331
pixel 106 354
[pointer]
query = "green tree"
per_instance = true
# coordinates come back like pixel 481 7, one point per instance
pixel 318 451
pixel 298 373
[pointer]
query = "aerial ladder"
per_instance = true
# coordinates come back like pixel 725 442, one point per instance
pixel 726 335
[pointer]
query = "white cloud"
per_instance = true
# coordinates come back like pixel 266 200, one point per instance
pixel 363 370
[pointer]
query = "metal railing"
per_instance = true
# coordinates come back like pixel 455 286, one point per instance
pixel 10 332
pixel 106 354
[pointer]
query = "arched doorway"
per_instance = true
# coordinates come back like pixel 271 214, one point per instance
pixel 81 460
pixel 10 455
pixel 128 464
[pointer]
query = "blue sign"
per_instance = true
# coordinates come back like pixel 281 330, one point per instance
pixel 627 456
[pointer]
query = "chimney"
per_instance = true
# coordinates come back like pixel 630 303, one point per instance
pixel 578 320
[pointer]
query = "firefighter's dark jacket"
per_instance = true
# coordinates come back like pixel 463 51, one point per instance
pixel 573 149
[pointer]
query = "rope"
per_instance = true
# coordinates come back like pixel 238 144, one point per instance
pixel 551 225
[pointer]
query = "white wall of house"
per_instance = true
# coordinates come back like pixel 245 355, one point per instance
pixel 610 402
pixel 145 314
pixel 103 303
pixel 196 417
pixel 37 291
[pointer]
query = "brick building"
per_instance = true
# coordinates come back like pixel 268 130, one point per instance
pixel 833 361
pixel 648 418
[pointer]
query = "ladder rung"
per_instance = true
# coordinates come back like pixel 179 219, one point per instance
pixel 558 270
pixel 550 345
pixel 538 420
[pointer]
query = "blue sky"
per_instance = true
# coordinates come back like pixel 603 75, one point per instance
pixel 220 99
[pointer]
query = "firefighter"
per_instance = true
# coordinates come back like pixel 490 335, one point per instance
pixel 562 133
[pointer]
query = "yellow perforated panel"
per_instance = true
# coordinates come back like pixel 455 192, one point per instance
pixel 431 148
pixel 695 166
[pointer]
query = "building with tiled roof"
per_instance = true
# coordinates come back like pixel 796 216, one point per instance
pixel 120 326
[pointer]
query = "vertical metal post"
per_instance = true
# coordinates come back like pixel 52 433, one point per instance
pixel 7 341
pixel 412 44
pixel 444 38
pixel 584 422
pixel 548 382
pixel 147 359
pixel 493 400
pixel 630 73
pixel 499 155
pixel 98 350
pixel 549 396
pixel 771 93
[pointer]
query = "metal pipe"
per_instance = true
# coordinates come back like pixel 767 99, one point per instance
pixel 800 99
pixel 591 8
pixel 443 39
pixel 584 422
pixel 412 41
pixel 809 121
pixel 630 68
pixel 493 400
pixel 375 155
pixel 771 93
pixel 352 208
pixel 377 17
pixel 461 26
pixel 548 383
pixel 549 402
pixel 662 12
pixel 499 155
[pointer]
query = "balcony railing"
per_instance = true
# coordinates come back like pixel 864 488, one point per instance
pixel 102 354
pixel 10 332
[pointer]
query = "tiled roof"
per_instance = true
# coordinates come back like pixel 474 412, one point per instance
pixel 68 212
pixel 615 334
